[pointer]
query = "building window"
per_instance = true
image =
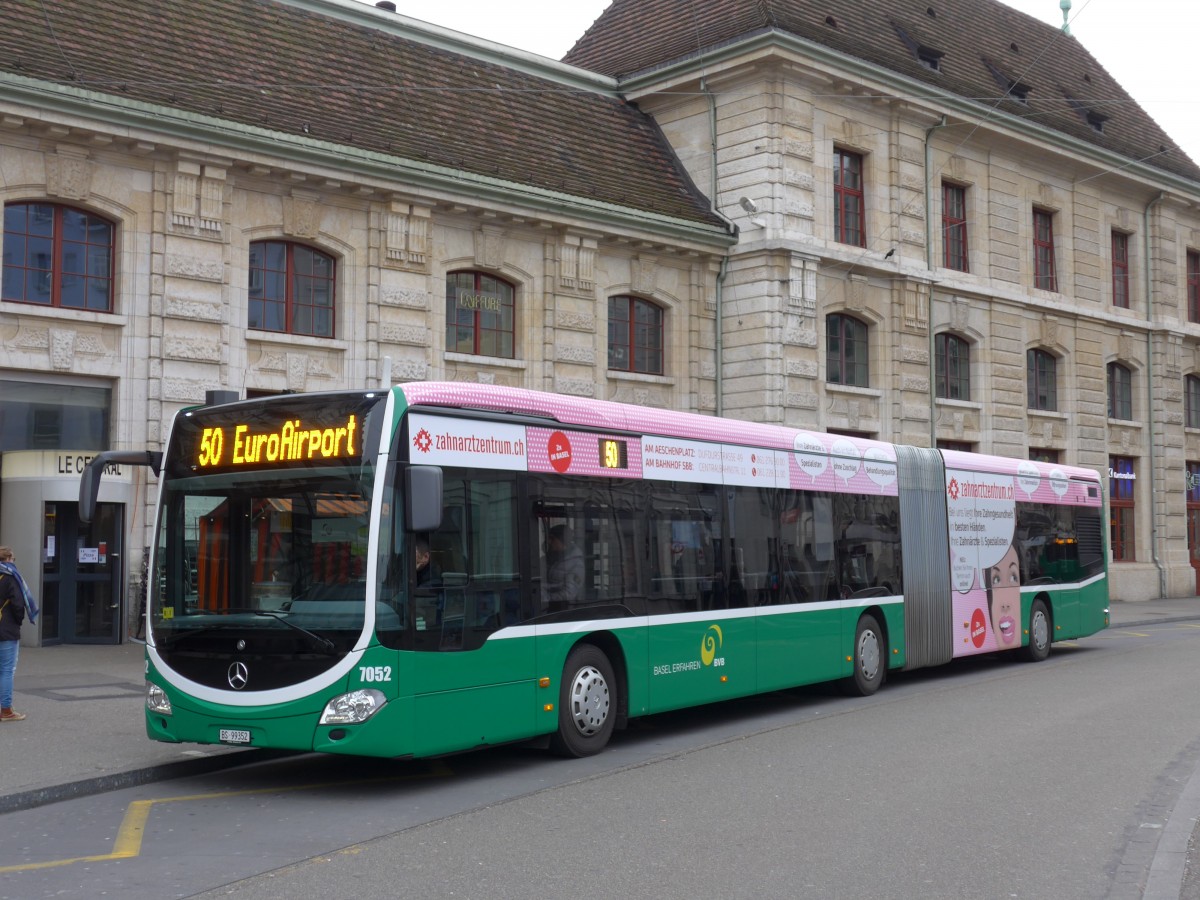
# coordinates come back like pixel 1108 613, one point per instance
pixel 960 446
pixel 1121 482
pixel 635 335
pixel 1041 371
pixel 1120 392
pixel 954 226
pixel 846 351
pixel 1193 286
pixel 1043 455
pixel 953 367
pixel 57 256
pixel 848 206
pixel 1120 269
pixel 480 315
pixel 291 289
pixel 1043 251
pixel 52 416
pixel 1191 392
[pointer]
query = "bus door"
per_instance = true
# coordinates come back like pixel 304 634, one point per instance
pixel 697 602
pixel 470 686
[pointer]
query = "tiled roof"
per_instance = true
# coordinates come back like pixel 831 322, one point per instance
pixel 984 45
pixel 327 77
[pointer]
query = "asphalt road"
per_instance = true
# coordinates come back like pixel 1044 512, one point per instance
pixel 985 779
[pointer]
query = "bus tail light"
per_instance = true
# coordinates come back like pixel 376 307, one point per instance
pixel 353 708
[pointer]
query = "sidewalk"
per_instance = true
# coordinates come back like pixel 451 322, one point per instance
pixel 85 731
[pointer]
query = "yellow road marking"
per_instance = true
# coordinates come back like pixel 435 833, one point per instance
pixel 1136 633
pixel 128 843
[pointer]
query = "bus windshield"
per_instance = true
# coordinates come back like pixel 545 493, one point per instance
pixel 261 544
pixel 280 552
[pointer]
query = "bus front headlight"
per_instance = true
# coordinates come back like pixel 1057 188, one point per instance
pixel 353 708
pixel 157 700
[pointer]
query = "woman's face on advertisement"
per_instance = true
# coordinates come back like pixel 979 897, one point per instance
pixel 1004 593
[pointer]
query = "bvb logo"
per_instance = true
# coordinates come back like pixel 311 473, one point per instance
pixel 710 644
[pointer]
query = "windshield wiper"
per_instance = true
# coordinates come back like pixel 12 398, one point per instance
pixel 321 640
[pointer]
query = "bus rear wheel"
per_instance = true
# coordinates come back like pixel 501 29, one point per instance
pixel 1039 632
pixel 587 703
pixel 870 659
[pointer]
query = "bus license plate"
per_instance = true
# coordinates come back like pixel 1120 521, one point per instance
pixel 232 736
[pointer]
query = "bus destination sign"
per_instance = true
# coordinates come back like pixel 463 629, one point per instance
pixel 238 444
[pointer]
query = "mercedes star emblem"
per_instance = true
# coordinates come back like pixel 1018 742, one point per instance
pixel 238 675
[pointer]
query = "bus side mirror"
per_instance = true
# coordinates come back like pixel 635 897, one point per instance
pixel 89 482
pixel 423 498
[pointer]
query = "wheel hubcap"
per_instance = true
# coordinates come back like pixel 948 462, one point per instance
pixel 589 700
pixel 1039 630
pixel 868 655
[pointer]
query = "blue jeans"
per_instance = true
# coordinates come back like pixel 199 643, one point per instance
pixel 8 665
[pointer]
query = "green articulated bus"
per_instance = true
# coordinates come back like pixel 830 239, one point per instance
pixel 434 567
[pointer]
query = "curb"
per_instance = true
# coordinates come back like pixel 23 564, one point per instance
pixel 101 784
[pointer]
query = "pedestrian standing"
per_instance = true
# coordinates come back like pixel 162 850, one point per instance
pixel 15 602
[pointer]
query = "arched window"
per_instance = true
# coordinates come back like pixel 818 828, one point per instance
pixel 953 363
pixel 291 289
pixel 1041 372
pixel 1120 392
pixel 635 335
pixel 480 315
pixel 846 351
pixel 57 256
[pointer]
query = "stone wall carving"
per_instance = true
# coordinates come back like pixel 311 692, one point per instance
pixel 197 200
pixel 188 390
pixel 802 286
pixel 577 263
pixel 583 355
pixel 644 270
pixel 302 215
pixel 407 237
pixel 407 298
pixel 69 173
pixel 179 305
pixel 183 265
pixel 916 306
pixel 490 244
pixel 415 335
pixel 191 348
pixel 574 321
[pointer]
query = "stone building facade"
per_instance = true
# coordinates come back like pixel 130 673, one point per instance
pixel 779 203
pixel 955 197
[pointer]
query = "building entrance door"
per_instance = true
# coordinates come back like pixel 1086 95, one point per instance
pixel 1193 519
pixel 82 574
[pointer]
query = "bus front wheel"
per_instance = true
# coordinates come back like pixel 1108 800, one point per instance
pixel 1039 632
pixel 587 703
pixel 870 659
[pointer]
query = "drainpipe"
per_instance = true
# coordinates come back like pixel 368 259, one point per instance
pixel 1162 572
pixel 719 348
pixel 929 265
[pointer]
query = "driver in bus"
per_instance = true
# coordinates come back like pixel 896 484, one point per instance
pixel 564 573
pixel 421 561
